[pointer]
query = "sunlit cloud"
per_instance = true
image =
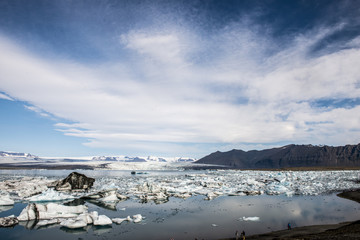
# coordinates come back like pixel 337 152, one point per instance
pixel 176 86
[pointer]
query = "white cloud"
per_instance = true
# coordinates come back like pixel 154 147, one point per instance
pixel 3 96
pixel 176 88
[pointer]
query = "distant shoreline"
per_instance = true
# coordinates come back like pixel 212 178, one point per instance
pixel 30 166
pixel 36 165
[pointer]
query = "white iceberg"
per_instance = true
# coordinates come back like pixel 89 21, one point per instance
pixel 252 219
pixel 74 223
pixel 120 220
pixel 137 218
pixel 46 222
pixel 50 195
pixel 50 211
pixel 100 220
pixel 5 200
pixel 25 186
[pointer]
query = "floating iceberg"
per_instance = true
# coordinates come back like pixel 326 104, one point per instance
pixel 50 195
pixel 253 219
pixel 25 186
pixel 5 200
pixel 100 220
pixel 120 220
pixel 35 211
pixel 137 218
pixel 74 223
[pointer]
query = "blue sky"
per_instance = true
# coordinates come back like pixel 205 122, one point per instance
pixel 177 78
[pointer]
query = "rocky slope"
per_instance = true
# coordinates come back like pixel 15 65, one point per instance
pixel 288 156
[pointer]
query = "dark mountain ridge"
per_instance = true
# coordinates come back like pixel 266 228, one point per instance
pixel 287 157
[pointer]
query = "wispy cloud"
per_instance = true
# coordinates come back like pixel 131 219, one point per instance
pixel 176 87
pixel 3 96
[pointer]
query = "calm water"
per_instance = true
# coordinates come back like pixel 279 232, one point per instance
pixel 195 218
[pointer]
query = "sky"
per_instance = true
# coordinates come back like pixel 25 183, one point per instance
pixel 177 78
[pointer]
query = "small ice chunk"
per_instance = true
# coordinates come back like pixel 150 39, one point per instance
pixel 253 219
pixel 211 196
pixel 110 198
pixel 137 218
pixel 50 195
pixel 48 222
pixel 73 223
pixel 214 225
pixel 120 220
pixel 102 220
pixel 5 200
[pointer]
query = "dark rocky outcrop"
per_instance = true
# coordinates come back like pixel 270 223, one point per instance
pixel 287 157
pixel 8 221
pixel 75 181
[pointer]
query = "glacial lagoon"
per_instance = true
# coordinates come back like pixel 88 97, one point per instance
pixel 291 197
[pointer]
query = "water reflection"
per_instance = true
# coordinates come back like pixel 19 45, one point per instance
pixel 193 217
pixel 105 205
pixel 5 208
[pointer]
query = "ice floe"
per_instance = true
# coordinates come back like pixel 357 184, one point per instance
pixel 23 187
pixel 136 219
pixel 120 220
pixel 252 219
pixel 100 220
pixel 5 199
pixel 35 211
pixel 50 195
pixel 74 223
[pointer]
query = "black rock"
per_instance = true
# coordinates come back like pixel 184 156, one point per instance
pixel 75 181
pixel 8 221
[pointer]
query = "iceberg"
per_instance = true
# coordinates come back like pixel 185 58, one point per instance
pixel 50 195
pixel 5 200
pixel 120 220
pixel 253 219
pixel 43 223
pixel 137 218
pixel 25 186
pixel 74 223
pixel 102 220
pixel 35 211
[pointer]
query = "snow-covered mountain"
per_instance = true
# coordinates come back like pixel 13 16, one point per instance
pixel 142 159
pixel 26 160
pixel 17 155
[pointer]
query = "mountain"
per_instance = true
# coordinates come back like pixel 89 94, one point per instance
pixel 288 156
pixel 141 159
pixel 16 155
